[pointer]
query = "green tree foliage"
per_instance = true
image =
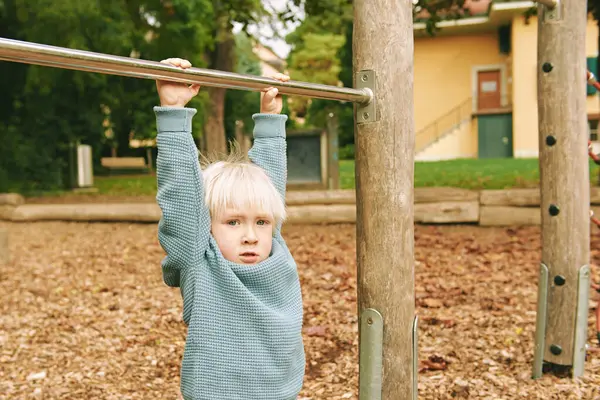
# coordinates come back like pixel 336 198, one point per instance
pixel 345 112
pixel 240 105
pixel 316 61
pixel 323 16
pixel 221 57
pixel 319 53
pixel 158 30
pixel 44 109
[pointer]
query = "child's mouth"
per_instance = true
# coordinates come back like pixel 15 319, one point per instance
pixel 249 256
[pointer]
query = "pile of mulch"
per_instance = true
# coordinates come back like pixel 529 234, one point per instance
pixel 85 314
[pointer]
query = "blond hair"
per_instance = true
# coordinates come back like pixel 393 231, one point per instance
pixel 234 182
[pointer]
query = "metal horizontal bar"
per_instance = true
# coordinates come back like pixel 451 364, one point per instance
pixel 548 3
pixel 60 57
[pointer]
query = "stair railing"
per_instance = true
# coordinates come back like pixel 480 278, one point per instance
pixel 443 125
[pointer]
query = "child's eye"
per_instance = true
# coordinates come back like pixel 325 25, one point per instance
pixel 262 222
pixel 233 222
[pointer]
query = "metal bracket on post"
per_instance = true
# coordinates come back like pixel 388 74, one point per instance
pixel 552 14
pixel 540 323
pixel 415 341
pixel 371 355
pixel 583 292
pixel 579 349
pixel 366 112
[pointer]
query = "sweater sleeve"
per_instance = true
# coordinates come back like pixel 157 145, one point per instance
pixel 184 227
pixel 269 148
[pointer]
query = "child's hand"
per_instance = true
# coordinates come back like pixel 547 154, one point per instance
pixel 176 94
pixel 271 101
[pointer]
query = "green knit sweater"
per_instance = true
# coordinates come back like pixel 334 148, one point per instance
pixel 244 339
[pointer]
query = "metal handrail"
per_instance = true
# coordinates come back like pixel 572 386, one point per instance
pixel 60 57
pixel 424 137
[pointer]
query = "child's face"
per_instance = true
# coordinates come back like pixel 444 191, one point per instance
pixel 244 237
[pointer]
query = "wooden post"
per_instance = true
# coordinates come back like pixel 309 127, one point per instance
pixel 383 43
pixel 149 157
pixel 564 176
pixel 4 254
pixel 333 158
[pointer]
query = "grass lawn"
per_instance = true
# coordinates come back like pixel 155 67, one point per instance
pixel 471 173
pixel 142 185
pixel 468 174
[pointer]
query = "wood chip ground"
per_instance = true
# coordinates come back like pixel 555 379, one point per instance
pixel 85 314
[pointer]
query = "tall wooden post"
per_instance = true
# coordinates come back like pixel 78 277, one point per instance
pixel 333 159
pixel 4 254
pixel 565 198
pixel 383 54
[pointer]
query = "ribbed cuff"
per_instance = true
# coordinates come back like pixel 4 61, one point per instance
pixel 269 125
pixel 174 119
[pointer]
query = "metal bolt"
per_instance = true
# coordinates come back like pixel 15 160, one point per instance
pixel 366 115
pixel 559 280
pixel 370 321
pixel 364 78
pixel 550 140
pixel 553 210
pixel 547 67
pixel 555 349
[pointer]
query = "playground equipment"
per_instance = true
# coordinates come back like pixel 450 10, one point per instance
pixel 385 142
pixel 564 280
pixel 384 128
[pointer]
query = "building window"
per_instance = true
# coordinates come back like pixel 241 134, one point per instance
pixel 593 127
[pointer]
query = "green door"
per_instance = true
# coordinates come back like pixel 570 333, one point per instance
pixel 495 135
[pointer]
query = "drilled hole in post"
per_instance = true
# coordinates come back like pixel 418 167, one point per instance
pixel 547 67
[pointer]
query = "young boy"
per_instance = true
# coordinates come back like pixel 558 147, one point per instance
pixel 221 231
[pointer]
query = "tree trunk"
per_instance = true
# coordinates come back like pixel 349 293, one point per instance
pixel 564 181
pixel 241 138
pixel 214 128
pixel 122 131
pixel 383 42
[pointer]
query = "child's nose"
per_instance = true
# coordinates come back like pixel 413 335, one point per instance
pixel 250 236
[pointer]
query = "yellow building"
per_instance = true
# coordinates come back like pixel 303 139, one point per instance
pixel 475 84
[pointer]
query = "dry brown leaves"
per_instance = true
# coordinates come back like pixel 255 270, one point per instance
pixel 85 314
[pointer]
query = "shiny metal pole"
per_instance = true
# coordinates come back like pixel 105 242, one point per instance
pixel 60 57
pixel 548 3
